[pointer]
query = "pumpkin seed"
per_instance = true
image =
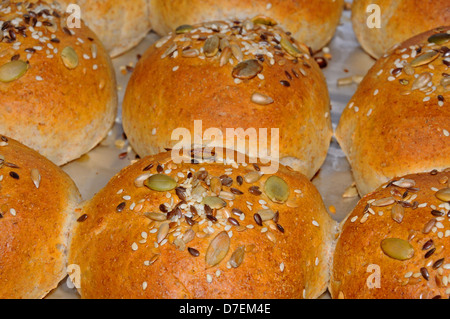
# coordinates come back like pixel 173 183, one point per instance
pixel 425 58
pixel 160 183
pixel 214 202
pixel 225 56
pixel 252 177
pixel 211 46
pixel 218 249
pixel 156 216
pixel 290 48
pixel 185 28
pixel 12 71
pixel 384 202
pixel 397 213
pixel 266 214
pixel 247 69
pixel 261 99
pixel 421 81
pixel 237 257
pixel 69 58
pixel 439 38
pixel 277 189
pixel 162 232
pixel 397 248
pixel 264 20
pixel 443 195
pixel 237 52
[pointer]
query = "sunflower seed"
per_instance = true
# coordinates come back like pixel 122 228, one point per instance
pixel 171 49
pixel 214 202
pixel 156 216
pixel 421 81
pixel 162 232
pixel 237 257
pixel 252 177
pixel 190 53
pixel 139 181
pixel 397 248
pixel 429 226
pixel 237 52
pixel 218 249
pixel 276 189
pixel 398 213
pixel 405 183
pixel 384 202
pixel 225 56
pixel 36 177
pixel 12 71
pixel 443 195
pixel 216 185
pixel 69 58
pixel 261 99
pixel 266 214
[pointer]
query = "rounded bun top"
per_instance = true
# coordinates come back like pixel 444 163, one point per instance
pixel 120 24
pixel 395 244
pixel 203 229
pixel 399 19
pixel 50 74
pixel 37 205
pixel 231 74
pixel 397 122
pixel 311 22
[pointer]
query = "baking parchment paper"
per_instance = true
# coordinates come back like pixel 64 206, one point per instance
pixel 93 171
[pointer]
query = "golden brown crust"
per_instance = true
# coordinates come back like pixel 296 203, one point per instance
pixel 359 244
pixel 172 92
pixel 60 112
pixel 390 130
pixel 311 22
pixel 115 247
pixel 35 223
pixel 400 20
pixel 120 24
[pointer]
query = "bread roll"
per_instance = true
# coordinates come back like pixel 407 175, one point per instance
pixel 120 24
pixel 397 123
pixel 394 244
pixel 311 22
pixel 238 245
pixel 176 83
pixel 37 210
pixel 399 21
pixel 57 86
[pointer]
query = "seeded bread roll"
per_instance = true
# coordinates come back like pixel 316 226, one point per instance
pixel 260 79
pixel 394 244
pixel 37 211
pixel 120 24
pixel 158 230
pixel 311 22
pixel 397 123
pixel 57 86
pixel 400 20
